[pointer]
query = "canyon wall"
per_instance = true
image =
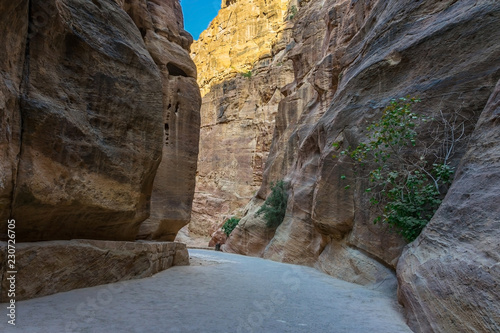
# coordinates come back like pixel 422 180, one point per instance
pixel 98 140
pixel 241 71
pixel 453 269
pixel 349 59
pixel 96 97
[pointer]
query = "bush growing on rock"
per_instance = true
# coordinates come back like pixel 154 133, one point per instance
pixel 230 224
pixel 274 207
pixel 408 179
pixel 247 74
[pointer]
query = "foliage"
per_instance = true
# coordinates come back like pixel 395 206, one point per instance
pixel 408 180
pixel 230 224
pixel 293 12
pixel 248 74
pixel 274 207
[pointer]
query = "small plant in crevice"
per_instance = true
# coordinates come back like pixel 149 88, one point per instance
pixel 247 75
pixel 293 12
pixel 408 177
pixel 229 225
pixel 274 207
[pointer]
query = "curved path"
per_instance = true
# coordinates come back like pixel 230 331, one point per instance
pixel 218 293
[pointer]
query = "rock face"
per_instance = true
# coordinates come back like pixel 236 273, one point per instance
pixel 349 59
pixel 99 130
pixel 161 24
pixel 241 70
pixel 242 33
pixel 452 270
pixel 64 265
pixel 14 25
pixel 85 107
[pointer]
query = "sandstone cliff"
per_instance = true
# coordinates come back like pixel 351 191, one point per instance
pixel 241 71
pixel 349 59
pixel 453 270
pixel 91 98
pixel 99 132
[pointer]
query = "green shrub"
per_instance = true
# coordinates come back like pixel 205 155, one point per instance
pixel 230 224
pixel 407 180
pixel 248 74
pixel 293 12
pixel 274 207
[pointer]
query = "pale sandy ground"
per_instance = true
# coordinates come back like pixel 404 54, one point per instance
pixel 219 292
pixel 192 240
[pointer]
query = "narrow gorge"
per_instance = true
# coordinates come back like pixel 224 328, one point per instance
pixel 124 142
pixel 283 82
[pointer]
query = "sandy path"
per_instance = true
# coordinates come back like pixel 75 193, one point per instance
pixel 219 292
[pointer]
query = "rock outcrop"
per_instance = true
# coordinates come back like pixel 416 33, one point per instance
pixel 350 58
pixel 14 25
pixel 46 268
pixel 90 98
pixel 99 132
pixel 241 71
pixel 449 277
pixel 161 24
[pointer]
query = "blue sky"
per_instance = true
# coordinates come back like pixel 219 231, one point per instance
pixel 198 14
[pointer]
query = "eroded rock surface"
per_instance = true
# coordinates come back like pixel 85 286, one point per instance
pixel 350 58
pixel 93 97
pixel 99 130
pixel 161 23
pixel 45 268
pixel 242 33
pixel 241 71
pixel 449 277
pixel 14 26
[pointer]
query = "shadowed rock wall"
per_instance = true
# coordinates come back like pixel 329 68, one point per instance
pixel 448 278
pixel 99 130
pixel 86 100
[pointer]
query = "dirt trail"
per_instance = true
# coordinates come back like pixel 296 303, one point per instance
pixel 219 292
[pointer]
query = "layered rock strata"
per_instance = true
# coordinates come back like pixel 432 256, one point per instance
pixel 93 97
pixel 241 70
pixel 350 58
pixel 46 268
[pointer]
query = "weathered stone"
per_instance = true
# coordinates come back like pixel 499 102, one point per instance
pixel 174 185
pixel 241 71
pixel 184 236
pixel 242 33
pixel 351 264
pixel 250 237
pixel 218 238
pixel 449 277
pixel 350 58
pixel 92 97
pixel 14 27
pixel 46 268
pixel 91 112
pixel 108 90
